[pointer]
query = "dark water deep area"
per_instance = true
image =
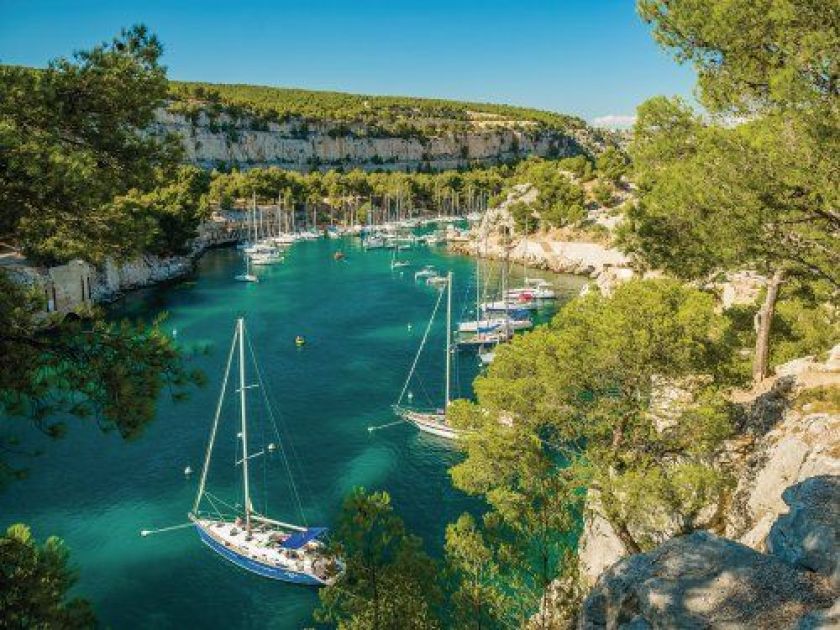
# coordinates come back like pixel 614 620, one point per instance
pixel 97 491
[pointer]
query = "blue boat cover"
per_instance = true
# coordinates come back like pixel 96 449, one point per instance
pixel 299 539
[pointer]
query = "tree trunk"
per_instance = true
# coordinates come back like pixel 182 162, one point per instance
pixel 763 322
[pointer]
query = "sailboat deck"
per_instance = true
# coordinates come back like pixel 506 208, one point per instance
pixel 263 547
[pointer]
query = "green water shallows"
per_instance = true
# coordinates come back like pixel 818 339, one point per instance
pixel 97 492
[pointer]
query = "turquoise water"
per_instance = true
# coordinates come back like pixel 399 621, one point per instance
pixel 97 491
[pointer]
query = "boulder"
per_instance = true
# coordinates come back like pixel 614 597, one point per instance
pixel 808 536
pixel 599 548
pixel 703 581
pixel 741 288
pixel 833 362
pixel 790 447
pixel 796 367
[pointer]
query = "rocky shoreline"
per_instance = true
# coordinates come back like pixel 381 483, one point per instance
pixel 78 286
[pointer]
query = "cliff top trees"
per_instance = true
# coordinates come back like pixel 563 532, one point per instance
pixel 762 194
pixel 398 115
pixel 72 143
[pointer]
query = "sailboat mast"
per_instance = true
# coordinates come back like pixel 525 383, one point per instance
pixel 477 285
pixel 505 271
pixel 240 324
pixel 204 470
pixel 525 256
pixel 448 335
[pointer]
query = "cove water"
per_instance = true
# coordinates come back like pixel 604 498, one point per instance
pixel 362 323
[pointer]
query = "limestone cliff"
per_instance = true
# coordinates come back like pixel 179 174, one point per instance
pixel 221 139
pixel 544 250
pixel 779 564
pixel 780 443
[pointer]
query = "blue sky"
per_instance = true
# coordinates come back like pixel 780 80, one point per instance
pixel 592 58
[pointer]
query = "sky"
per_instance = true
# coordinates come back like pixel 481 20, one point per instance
pixel 592 58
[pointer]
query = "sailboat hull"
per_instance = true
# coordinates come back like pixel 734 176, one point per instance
pixel 434 423
pixel 275 573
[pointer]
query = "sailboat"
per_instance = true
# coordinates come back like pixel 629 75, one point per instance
pixel 433 422
pixel 250 540
pixel 247 276
pixel 489 329
pixel 396 263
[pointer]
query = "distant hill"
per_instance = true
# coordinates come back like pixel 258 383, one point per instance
pixel 249 125
pixel 390 113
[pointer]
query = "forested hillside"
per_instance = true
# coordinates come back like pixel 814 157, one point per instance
pixel 384 115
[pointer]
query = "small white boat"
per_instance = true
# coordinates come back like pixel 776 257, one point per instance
pixel 374 242
pixel 431 422
pixel 266 259
pixel 490 323
pixel 247 276
pixel 285 239
pixel 534 289
pixel 260 248
pixel 480 339
pixel 486 356
pixel 437 281
pixel 502 306
pixel 426 272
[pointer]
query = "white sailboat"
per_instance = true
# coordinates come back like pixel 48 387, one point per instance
pixel 396 263
pixel 250 540
pixel 247 276
pixel 426 272
pixel 266 258
pixel 433 422
pixel 490 327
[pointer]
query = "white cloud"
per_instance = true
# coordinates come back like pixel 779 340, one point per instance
pixel 614 121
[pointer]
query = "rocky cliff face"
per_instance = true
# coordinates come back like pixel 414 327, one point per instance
pixel 224 140
pixel 542 250
pixel 779 444
pixel 779 565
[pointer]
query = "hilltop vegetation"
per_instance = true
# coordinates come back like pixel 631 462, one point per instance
pixel 356 113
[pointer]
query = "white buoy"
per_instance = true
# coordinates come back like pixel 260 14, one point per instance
pixel 187 471
pixel 271 447
pixel 410 396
